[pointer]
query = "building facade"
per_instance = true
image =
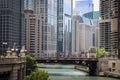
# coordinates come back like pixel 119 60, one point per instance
pixel 94 17
pixel 33 27
pixel 11 24
pixel 48 11
pixel 82 36
pixel 64 8
pixel 67 35
pixel 105 24
pixel 28 4
pixel 115 30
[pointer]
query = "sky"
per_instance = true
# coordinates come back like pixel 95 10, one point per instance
pixel 96 5
pixel 95 2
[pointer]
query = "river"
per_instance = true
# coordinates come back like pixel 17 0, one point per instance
pixel 67 72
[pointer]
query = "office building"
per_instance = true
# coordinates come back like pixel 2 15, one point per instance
pixel 83 35
pixel 67 35
pixel 33 28
pixel 94 17
pixel 105 24
pixel 11 24
pixel 48 11
pixel 64 11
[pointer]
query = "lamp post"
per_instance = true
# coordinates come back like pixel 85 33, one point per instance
pixel 14 51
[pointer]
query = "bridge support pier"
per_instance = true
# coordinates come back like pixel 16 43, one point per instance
pixel 92 68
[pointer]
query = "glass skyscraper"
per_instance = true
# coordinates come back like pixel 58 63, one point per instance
pixel 67 35
pixel 63 7
pixel 11 24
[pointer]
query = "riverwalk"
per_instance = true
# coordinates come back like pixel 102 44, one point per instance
pixel 82 68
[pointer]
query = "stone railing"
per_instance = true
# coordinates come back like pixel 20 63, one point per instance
pixel 12 60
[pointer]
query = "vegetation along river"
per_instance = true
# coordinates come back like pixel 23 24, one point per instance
pixel 67 72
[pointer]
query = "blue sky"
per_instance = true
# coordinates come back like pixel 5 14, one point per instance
pixel 96 4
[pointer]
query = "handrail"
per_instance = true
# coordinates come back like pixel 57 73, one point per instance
pixel 12 60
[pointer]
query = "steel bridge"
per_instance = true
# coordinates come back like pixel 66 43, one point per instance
pixel 90 62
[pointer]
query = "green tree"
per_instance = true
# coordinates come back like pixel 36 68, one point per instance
pixel 31 64
pixel 101 52
pixel 38 75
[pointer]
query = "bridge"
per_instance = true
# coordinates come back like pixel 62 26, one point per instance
pixel 90 62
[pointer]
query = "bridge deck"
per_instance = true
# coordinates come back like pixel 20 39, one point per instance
pixel 69 59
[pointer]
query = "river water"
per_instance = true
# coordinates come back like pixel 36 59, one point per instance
pixel 67 72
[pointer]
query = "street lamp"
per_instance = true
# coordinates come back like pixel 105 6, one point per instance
pixel 14 51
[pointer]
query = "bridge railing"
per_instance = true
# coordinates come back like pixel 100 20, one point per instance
pixel 64 58
pixel 12 60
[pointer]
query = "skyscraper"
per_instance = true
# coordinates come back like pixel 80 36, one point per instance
pixel 48 11
pixel 63 7
pixel 115 27
pixel 105 24
pixel 29 4
pixel 83 35
pixel 33 27
pixel 11 24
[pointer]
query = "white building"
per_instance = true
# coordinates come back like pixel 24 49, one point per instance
pixel 82 36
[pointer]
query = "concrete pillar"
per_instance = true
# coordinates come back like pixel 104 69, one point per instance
pixel 14 72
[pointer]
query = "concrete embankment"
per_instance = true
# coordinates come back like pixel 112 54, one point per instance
pixel 112 74
pixel 82 68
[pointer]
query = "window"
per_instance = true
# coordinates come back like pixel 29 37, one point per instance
pixel 113 65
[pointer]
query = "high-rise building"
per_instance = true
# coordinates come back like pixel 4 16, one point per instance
pixel 94 17
pixel 64 8
pixel 11 24
pixel 67 35
pixel 48 11
pixel 105 24
pixel 33 27
pixel 83 35
pixel 84 6
pixel 115 27
pixel 29 5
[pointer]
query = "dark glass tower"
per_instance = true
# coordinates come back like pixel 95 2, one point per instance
pixel 11 24
pixel 64 11
pixel 59 26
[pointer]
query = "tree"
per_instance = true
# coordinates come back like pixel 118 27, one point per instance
pixel 101 52
pixel 31 64
pixel 38 75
